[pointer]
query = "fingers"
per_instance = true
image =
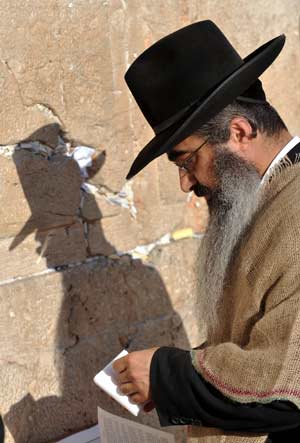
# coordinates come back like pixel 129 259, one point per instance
pixel 137 398
pixel 131 390
pixel 131 374
pixel 122 377
pixel 120 365
pixel 127 388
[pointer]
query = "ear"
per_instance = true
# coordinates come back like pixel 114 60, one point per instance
pixel 241 134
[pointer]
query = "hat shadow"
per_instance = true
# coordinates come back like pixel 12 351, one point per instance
pixel 107 303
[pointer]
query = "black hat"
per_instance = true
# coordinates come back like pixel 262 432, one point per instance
pixel 186 78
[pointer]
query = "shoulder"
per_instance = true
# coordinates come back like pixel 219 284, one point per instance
pixel 279 212
pixel 273 237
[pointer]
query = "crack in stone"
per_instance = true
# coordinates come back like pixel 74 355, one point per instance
pixel 68 320
pixel 88 261
pixel 68 348
pixel 11 72
pixel 59 213
pixel 45 108
pixel 49 111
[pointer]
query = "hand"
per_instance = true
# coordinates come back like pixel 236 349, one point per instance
pixel 133 376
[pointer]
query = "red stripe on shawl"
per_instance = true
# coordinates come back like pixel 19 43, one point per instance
pixel 209 376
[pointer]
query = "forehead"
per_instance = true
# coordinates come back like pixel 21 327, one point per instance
pixel 187 146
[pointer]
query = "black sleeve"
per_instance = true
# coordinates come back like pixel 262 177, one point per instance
pixel 1 430
pixel 182 396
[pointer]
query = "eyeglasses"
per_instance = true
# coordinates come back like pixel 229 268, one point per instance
pixel 187 165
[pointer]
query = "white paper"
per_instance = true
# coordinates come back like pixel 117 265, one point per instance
pixel 105 379
pixel 116 429
pixel 91 435
pixel 83 155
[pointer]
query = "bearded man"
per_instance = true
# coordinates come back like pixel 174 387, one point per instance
pixel 210 116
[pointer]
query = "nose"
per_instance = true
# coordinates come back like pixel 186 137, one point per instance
pixel 187 180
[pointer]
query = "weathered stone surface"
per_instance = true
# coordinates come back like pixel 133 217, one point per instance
pixel 17 119
pixel 121 231
pixel 39 224
pixel 156 218
pixel 37 193
pixel 29 312
pixel 97 243
pixel 20 257
pixel 59 73
pixel 176 263
pixel 95 207
pixel 117 294
pixel 73 323
pixel 62 246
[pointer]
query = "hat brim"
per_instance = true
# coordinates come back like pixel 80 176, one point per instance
pixel 234 85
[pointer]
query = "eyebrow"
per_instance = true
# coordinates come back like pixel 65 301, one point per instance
pixel 173 155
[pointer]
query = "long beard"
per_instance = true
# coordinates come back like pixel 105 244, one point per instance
pixel 232 206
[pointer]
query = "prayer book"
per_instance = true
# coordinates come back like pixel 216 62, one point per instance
pixel 114 429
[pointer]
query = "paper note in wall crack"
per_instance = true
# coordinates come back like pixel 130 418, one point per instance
pixel 105 379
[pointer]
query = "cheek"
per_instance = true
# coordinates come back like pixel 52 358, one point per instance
pixel 204 171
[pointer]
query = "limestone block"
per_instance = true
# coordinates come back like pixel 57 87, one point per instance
pixel 61 246
pixel 75 81
pixel 15 210
pixel 41 250
pixel 169 332
pixel 117 294
pixel 17 120
pixel 95 207
pixel 38 193
pixel 28 316
pixel 176 263
pixel 156 218
pixel 121 231
pixel 161 205
pixel 97 242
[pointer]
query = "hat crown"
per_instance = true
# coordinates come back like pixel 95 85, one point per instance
pixel 180 69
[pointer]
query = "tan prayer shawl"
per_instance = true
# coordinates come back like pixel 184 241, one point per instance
pixel 255 356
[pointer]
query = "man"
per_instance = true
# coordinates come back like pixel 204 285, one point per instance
pixel 210 115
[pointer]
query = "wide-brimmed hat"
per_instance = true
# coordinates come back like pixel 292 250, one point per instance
pixel 186 78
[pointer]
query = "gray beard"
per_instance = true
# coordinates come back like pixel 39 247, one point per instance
pixel 231 207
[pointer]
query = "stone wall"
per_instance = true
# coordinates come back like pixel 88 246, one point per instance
pixel 85 274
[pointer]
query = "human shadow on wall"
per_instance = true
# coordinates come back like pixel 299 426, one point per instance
pixel 108 303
